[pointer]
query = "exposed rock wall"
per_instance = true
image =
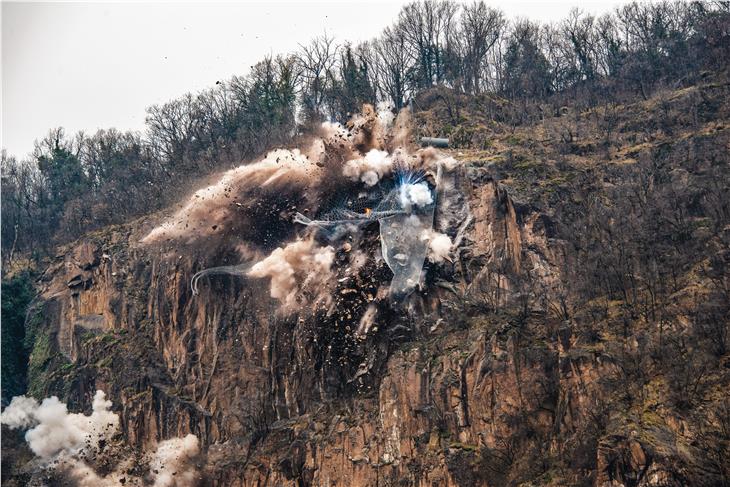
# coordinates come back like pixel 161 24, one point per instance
pixel 494 374
pixel 225 365
pixel 446 395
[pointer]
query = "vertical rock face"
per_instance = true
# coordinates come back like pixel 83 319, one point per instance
pixel 249 380
pixel 446 395
pixel 496 232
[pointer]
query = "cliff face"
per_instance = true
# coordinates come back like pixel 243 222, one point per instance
pixel 495 374
pixel 225 365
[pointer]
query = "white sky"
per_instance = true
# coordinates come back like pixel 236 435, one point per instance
pixel 85 66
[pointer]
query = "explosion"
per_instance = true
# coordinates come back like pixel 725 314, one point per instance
pixel 293 269
pixel 64 441
pixel 54 431
pixel 302 218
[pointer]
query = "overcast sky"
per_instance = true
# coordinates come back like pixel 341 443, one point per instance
pixel 85 66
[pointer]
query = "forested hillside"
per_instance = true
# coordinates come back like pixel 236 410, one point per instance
pixel 73 183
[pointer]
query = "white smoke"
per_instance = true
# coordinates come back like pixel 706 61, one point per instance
pixel 55 430
pixel 64 438
pixel 439 245
pixel 208 210
pixel 173 462
pixel 369 169
pixel 334 130
pixel 19 413
pixel 300 265
pixel 448 163
pixel 385 114
pixel 417 194
pixel 171 465
pixel 85 476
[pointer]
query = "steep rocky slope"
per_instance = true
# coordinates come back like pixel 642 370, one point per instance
pixel 575 338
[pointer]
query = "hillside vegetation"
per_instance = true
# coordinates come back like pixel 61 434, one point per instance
pixel 520 70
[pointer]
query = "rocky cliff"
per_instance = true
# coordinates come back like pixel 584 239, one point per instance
pixel 531 357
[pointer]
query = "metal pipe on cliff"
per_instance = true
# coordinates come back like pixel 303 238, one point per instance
pixel 434 142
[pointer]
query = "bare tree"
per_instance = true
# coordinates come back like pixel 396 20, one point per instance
pixel 480 28
pixel 171 127
pixel 427 26
pixel 392 66
pixel 316 62
pixel 609 46
pixel 579 30
pixel 526 72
